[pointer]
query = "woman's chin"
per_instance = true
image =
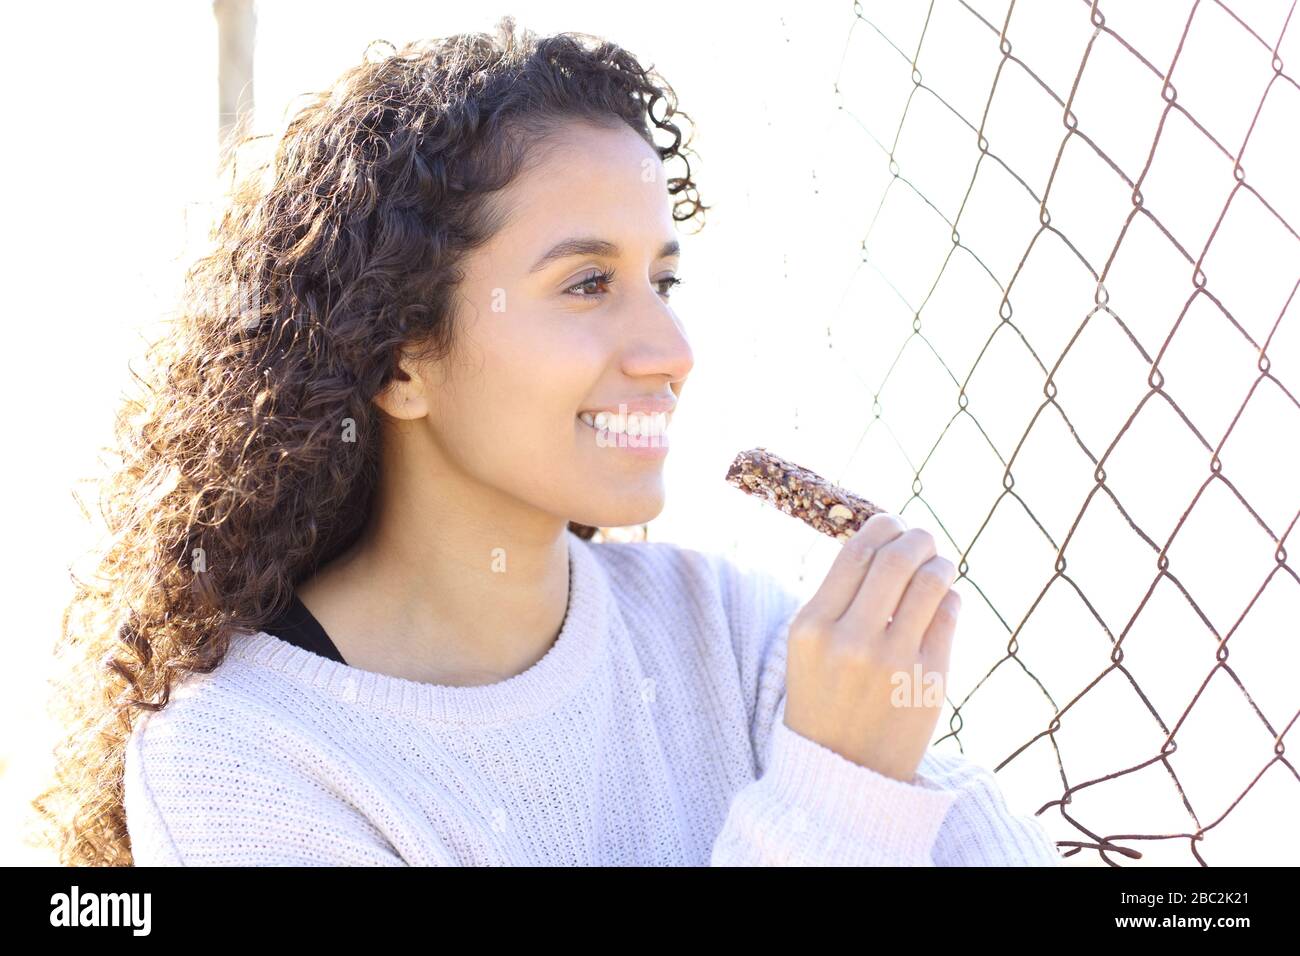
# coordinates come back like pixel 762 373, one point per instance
pixel 629 509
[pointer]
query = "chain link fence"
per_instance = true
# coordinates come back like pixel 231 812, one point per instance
pixel 1071 284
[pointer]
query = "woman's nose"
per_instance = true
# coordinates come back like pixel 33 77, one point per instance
pixel 659 346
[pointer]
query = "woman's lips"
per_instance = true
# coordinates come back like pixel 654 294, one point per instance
pixel 652 445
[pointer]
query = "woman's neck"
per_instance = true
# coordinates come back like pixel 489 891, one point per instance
pixel 444 599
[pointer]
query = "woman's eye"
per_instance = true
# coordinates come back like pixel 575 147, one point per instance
pixel 601 277
pixel 605 278
pixel 672 282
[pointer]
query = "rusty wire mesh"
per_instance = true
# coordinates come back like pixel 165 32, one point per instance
pixel 1215 650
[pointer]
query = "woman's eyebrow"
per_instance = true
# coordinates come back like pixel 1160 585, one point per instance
pixel 595 247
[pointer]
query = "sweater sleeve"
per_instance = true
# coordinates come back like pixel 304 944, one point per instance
pixel 809 806
pixel 199 793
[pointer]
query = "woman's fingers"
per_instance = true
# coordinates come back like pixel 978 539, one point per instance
pixel 844 578
pixel 936 648
pixel 924 592
pixel 891 571
pixel 843 660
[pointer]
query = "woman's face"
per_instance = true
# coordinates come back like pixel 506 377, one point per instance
pixel 543 337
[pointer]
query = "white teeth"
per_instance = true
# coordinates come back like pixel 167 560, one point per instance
pixel 634 424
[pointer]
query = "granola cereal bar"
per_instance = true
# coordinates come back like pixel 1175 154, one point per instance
pixel 800 493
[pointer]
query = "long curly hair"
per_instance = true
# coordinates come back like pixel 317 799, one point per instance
pixel 230 484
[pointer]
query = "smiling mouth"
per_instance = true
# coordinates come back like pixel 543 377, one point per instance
pixel 650 442
pixel 634 424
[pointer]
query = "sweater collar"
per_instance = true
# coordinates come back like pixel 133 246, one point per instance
pixel 581 643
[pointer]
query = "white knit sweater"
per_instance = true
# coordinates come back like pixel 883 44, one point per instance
pixel 651 733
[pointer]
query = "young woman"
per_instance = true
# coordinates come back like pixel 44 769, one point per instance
pixel 353 612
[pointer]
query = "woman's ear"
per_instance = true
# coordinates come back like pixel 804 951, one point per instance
pixel 407 395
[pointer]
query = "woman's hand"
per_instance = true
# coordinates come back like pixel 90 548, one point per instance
pixel 846 657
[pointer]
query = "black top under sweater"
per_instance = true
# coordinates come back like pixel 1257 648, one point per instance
pixel 297 625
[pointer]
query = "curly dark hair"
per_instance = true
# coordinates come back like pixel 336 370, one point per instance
pixel 326 261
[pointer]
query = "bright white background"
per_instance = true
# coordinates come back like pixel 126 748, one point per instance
pixel 111 147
